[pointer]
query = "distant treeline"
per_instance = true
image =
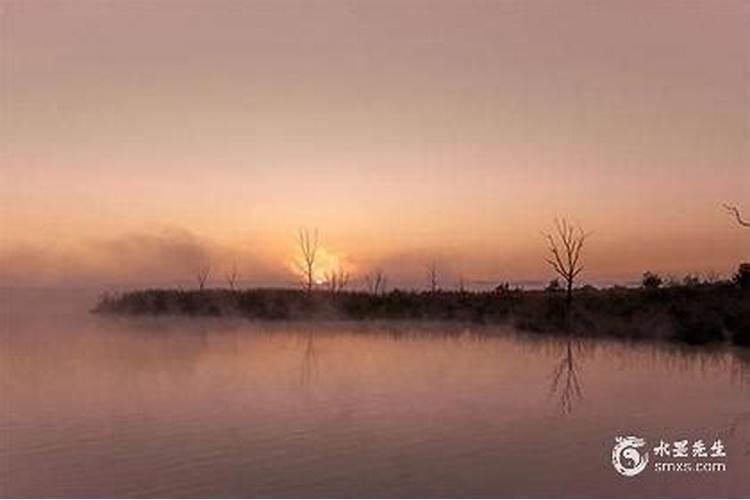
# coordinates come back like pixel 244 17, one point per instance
pixel 693 311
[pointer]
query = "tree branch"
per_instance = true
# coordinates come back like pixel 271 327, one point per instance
pixel 734 211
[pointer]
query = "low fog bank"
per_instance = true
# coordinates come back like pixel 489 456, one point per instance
pixel 173 258
pixel 169 257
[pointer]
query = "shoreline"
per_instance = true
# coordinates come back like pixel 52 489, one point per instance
pixel 695 314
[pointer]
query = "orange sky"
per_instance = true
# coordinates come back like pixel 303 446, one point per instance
pixel 137 138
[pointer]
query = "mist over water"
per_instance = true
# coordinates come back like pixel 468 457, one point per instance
pixel 570 166
pixel 101 406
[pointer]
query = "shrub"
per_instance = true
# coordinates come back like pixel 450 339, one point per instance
pixel 695 329
pixel 554 286
pixel 651 281
pixel 696 318
pixel 742 276
pixel 737 321
pixel 739 325
pixel 691 280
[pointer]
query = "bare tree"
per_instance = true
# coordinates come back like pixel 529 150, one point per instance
pixel 202 273
pixel 461 283
pixel 375 281
pixel 735 212
pixel 233 276
pixel 565 248
pixel 337 280
pixel 308 246
pixel 432 275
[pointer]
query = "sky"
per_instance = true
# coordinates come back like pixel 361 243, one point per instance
pixel 139 139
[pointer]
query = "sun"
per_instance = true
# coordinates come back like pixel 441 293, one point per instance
pixel 326 264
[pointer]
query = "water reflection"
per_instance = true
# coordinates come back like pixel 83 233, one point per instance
pixel 740 366
pixel 565 377
pixel 167 407
pixel 309 370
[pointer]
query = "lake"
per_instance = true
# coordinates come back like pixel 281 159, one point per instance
pixel 151 407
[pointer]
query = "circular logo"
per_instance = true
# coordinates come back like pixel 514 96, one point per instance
pixel 626 458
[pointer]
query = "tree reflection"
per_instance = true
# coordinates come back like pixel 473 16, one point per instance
pixel 309 361
pixel 565 377
pixel 740 367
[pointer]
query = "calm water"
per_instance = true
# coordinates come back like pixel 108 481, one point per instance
pixel 97 406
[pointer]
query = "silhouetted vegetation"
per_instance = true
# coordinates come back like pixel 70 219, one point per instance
pixel 735 212
pixel 565 248
pixel 431 269
pixel 308 247
pixel 232 276
pixel 651 281
pixel 202 272
pixel 692 311
pixel 742 277
pixel 376 281
pixel 337 280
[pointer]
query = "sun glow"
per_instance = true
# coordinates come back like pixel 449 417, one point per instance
pixel 326 264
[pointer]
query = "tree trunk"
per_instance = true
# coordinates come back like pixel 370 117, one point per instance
pixel 568 305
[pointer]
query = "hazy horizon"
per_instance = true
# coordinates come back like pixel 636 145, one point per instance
pixel 142 138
